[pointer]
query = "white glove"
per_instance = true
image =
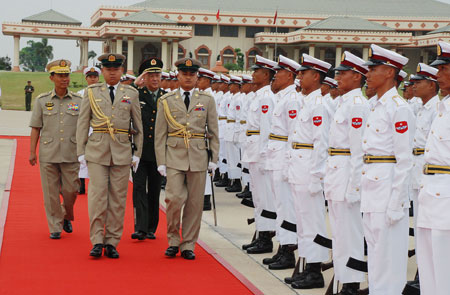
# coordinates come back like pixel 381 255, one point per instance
pixel 352 199
pixel 162 170
pixel 135 163
pixel 314 188
pixel 392 216
pixel 212 166
pixel 82 160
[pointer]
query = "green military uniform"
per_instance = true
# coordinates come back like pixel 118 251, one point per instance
pixel 57 119
pixel 28 94
pixel 108 155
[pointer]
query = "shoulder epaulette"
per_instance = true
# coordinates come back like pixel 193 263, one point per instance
pixel 398 100
pixel 76 94
pixel 168 94
pixel 43 94
pixel 357 100
pixel 95 85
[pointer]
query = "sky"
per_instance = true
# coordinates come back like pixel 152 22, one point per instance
pixel 81 10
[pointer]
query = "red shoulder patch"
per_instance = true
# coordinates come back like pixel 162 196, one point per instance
pixel 292 114
pixel 265 108
pixel 356 122
pixel 317 120
pixel 401 127
pixel 238 108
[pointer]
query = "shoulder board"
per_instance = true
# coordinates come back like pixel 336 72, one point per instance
pixel 319 99
pixel 357 100
pixel 75 94
pixel 95 85
pixel 43 94
pixel 398 100
pixel 168 94
pixel 207 94
pixel 129 87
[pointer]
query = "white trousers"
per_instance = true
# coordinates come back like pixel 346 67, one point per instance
pixel 348 239
pixel 310 218
pixel 433 256
pixel 387 247
pixel 245 173
pixel 284 205
pixel 233 158
pixel 262 197
pixel 223 167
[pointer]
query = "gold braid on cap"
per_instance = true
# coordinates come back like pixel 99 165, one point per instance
pixel 181 130
pixel 100 116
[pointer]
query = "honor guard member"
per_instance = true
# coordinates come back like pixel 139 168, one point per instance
pixel 29 89
pixel 223 102
pixel 407 89
pixel 343 171
pixel 185 121
pixel 165 78
pixel 387 146
pixel 92 76
pixel 109 108
pixel 255 153
pixel 53 122
pixel 298 86
pixel 205 77
pixel 147 180
pixel 329 91
pixel 283 117
pixel 433 223
pixel 307 153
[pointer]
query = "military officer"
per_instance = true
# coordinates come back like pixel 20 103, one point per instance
pixel 183 118
pixel 147 180
pixel 109 108
pixel 29 89
pixel 53 121
pixel 387 145
pixel 433 221
pixel 343 171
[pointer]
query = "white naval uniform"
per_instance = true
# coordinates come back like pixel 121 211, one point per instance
pixel 232 147
pixel 259 119
pixel 342 183
pixel 283 118
pixel 433 221
pixel 222 101
pixel 242 138
pixel 416 104
pixel 384 192
pixel 208 183
pixel 306 169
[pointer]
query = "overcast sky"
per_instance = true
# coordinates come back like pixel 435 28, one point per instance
pixel 81 10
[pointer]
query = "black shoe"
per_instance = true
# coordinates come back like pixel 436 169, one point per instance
pixel 248 202
pixel 188 254
pixel 251 244
pixel 163 183
pixel 82 190
pixel 349 289
pixel 171 251
pixel 286 260
pixel 55 236
pixel 290 280
pixel 235 187
pixel 224 182
pixel 151 236
pixel 207 203
pixel 111 252
pixel 263 245
pixel 138 235
pixel 311 280
pixel 274 258
pixel 243 193
pixel 216 175
pixel 67 227
pixel 97 250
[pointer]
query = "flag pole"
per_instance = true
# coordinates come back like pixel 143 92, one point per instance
pixel 218 31
pixel 276 33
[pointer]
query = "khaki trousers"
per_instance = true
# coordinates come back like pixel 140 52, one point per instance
pixel 107 195
pixel 184 188
pixel 56 179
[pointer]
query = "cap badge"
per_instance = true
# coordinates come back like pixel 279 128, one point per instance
pixel 49 104
pixel 439 50
pixel 111 58
pixel 92 70
pixel 418 69
pixel 153 62
pixel 63 63
pixel 189 63
pixel 301 60
pixel 370 52
pixel 343 57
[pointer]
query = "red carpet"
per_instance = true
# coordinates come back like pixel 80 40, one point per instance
pixel 31 263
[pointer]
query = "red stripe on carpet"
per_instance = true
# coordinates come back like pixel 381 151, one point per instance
pixel 31 263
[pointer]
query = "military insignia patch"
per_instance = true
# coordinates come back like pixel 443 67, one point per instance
pixel 439 50
pixel 189 63
pixel 418 68
pixel 62 63
pixel 126 99
pixel 238 108
pixel 73 107
pixel 49 104
pixel 265 109
pixel 317 120
pixel 199 109
pixel 111 58
pixel 370 52
pixel 292 114
pixel 153 62
pixel 401 127
pixel 92 70
pixel 343 57
pixel 356 122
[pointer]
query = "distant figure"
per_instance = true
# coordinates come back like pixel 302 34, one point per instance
pixel 28 93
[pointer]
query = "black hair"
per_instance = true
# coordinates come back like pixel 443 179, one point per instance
pixel 322 76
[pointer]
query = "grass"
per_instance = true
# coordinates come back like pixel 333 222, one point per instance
pixel 13 84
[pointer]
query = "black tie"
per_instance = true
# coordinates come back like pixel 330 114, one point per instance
pixel 111 93
pixel 186 99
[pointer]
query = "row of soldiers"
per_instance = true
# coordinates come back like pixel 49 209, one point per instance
pixel 294 143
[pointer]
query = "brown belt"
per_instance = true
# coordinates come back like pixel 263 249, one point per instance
pixel 106 130
pixel 192 135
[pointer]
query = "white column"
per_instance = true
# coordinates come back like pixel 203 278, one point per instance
pixel 270 52
pixel 338 55
pixel 322 54
pixel 119 45
pixel 16 67
pixel 297 54
pixel 85 42
pixel 130 57
pixel 174 54
pixel 365 53
pixel 113 46
pixel 425 57
pixel 164 53
pixel 312 48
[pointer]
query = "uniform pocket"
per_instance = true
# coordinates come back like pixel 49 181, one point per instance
pixel 96 136
pixel 46 140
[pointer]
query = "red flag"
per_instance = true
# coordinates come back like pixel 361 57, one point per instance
pixel 218 14
pixel 275 17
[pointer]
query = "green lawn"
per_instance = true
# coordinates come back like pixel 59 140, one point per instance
pixel 13 84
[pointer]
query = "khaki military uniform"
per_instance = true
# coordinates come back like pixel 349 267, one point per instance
pixel 108 156
pixel 186 161
pixel 57 118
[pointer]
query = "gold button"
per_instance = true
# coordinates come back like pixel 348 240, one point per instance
pixel 154 112
pixel 61 130
pixel 357 189
pixel 300 156
pixel 440 115
pixel 432 132
pixel 150 136
pixel 153 120
pixel 321 178
pixel 62 139
pixel 335 167
pixel 363 173
pixel 414 139
pixel 113 108
pixel 373 110
pixel 440 137
pixel 421 186
pixel 368 125
pixel 151 128
pixel 60 113
pixel 61 122
pixel 45 142
pixel 438 194
pixel 376 178
pixel 427 150
pixel 365 141
pixel 377 130
pixel 187 123
pixel 187 115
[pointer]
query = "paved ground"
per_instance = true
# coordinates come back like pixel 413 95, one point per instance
pixel 225 239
